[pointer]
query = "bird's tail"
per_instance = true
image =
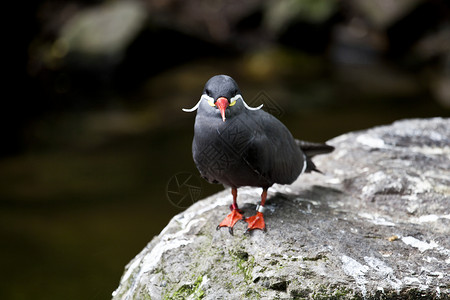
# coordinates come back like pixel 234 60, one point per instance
pixel 312 149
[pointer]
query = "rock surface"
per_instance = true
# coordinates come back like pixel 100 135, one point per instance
pixel 375 226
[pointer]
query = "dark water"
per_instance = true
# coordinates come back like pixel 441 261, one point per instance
pixel 89 191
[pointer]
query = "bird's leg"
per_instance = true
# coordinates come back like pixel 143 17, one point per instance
pixel 234 216
pixel 257 221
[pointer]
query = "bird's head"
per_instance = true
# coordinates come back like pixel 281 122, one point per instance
pixel 222 92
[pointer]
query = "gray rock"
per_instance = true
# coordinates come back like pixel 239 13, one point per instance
pixel 375 226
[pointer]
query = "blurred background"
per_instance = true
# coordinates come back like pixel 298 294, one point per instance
pixel 92 130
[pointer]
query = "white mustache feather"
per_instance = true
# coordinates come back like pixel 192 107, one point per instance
pixel 206 97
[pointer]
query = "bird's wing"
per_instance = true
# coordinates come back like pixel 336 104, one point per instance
pixel 273 152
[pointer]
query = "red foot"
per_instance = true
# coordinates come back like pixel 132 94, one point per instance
pixel 230 220
pixel 256 222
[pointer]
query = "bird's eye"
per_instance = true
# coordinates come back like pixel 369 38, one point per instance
pixel 208 92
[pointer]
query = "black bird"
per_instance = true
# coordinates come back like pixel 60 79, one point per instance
pixel 237 145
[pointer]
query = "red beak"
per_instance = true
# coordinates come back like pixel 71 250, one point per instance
pixel 222 104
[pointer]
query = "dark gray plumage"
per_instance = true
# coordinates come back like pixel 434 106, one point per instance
pixel 242 146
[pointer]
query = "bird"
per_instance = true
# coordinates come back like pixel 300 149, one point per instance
pixel 237 145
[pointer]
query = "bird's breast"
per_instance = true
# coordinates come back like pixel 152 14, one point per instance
pixel 221 150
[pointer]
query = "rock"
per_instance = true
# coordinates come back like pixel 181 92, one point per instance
pixel 280 14
pixel 375 226
pixel 101 33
